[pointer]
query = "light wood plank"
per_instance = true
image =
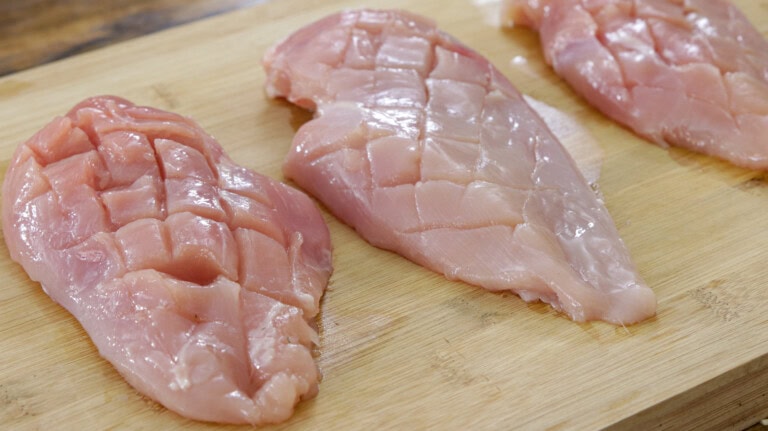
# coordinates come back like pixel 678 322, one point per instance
pixel 404 348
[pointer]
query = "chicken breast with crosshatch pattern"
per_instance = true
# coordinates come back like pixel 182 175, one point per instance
pixel 426 149
pixel 198 279
pixel 692 74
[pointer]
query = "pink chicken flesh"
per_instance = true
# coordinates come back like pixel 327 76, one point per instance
pixel 691 73
pixel 424 148
pixel 198 279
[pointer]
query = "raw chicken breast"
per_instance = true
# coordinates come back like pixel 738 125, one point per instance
pixel 196 278
pixel 691 73
pixel 427 150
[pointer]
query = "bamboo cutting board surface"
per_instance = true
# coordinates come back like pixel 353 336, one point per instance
pixel 402 347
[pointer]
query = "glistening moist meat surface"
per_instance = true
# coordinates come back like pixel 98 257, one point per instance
pixel 198 279
pixel 426 149
pixel 691 73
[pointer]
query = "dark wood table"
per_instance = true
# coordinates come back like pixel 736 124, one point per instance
pixel 35 32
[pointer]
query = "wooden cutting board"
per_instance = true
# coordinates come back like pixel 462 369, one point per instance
pixel 402 347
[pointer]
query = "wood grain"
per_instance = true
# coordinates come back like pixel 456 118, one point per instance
pixel 40 31
pixel 402 347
